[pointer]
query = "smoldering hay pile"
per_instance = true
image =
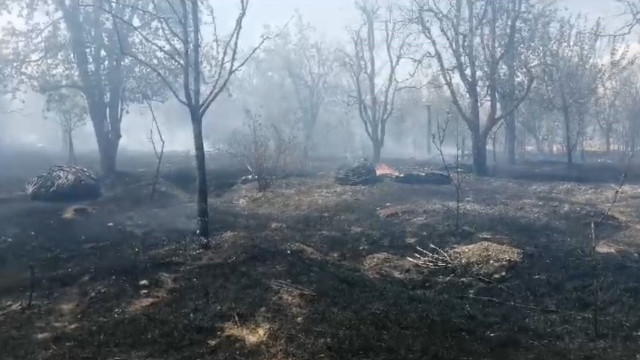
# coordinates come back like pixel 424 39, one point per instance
pixel 418 178
pixel 362 172
pixel 64 183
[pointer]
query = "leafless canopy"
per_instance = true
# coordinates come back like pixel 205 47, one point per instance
pixel 469 41
pixel 375 86
pixel 464 42
pixel 175 48
pixel 168 41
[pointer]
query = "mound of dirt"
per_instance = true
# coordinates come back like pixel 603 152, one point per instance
pixel 487 258
pixel 64 183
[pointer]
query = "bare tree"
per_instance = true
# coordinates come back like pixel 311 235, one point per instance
pixel 194 70
pixel 607 104
pixel 539 122
pixel 606 111
pixel 374 72
pixel 264 147
pixel 521 45
pixel 632 10
pixel 309 65
pixel 69 109
pixel 571 74
pixel 629 102
pixel 457 180
pixel 463 39
pixel 508 96
pixel 158 151
pixel 70 44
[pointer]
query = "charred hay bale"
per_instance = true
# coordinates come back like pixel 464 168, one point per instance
pixel 362 172
pixel 427 178
pixel 64 183
pixel 487 258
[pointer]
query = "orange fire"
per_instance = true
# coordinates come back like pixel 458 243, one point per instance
pixel 384 169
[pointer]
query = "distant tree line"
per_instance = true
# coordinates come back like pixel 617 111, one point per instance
pixel 519 74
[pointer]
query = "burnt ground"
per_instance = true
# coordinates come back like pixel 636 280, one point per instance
pixel 313 270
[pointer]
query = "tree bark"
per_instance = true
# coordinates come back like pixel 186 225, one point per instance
pixel 377 150
pixel 510 119
pixel 463 148
pixel 479 151
pixel 429 131
pixel 201 175
pixel 107 147
pixel 107 160
pixel 567 135
pixel 306 146
pixel 607 139
pixel 495 151
pixel 510 126
pixel 71 153
pixel 105 115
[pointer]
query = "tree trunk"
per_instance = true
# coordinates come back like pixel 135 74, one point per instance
pixel 607 139
pixel 429 131
pixel 567 135
pixel 510 120
pixel 377 150
pixel 108 154
pixel 305 147
pixel 510 126
pixel 569 155
pixel 107 145
pixel 90 75
pixel 495 151
pixel 632 137
pixel 522 145
pixel 71 153
pixel 539 144
pixel 479 151
pixel 201 175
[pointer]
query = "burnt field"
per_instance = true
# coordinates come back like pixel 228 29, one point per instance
pixel 315 270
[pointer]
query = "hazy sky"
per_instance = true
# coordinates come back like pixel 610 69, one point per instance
pixel 332 16
pixel 329 17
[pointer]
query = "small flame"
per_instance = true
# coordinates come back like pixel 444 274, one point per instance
pixel 384 169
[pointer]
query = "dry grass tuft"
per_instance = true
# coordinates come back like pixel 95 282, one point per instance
pixel 76 211
pixel 486 258
pixel 251 335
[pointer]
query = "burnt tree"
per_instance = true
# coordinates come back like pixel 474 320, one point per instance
pixel 463 39
pixel 309 65
pixel 74 46
pixel 194 70
pixel 69 110
pixel 571 74
pixel 373 71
